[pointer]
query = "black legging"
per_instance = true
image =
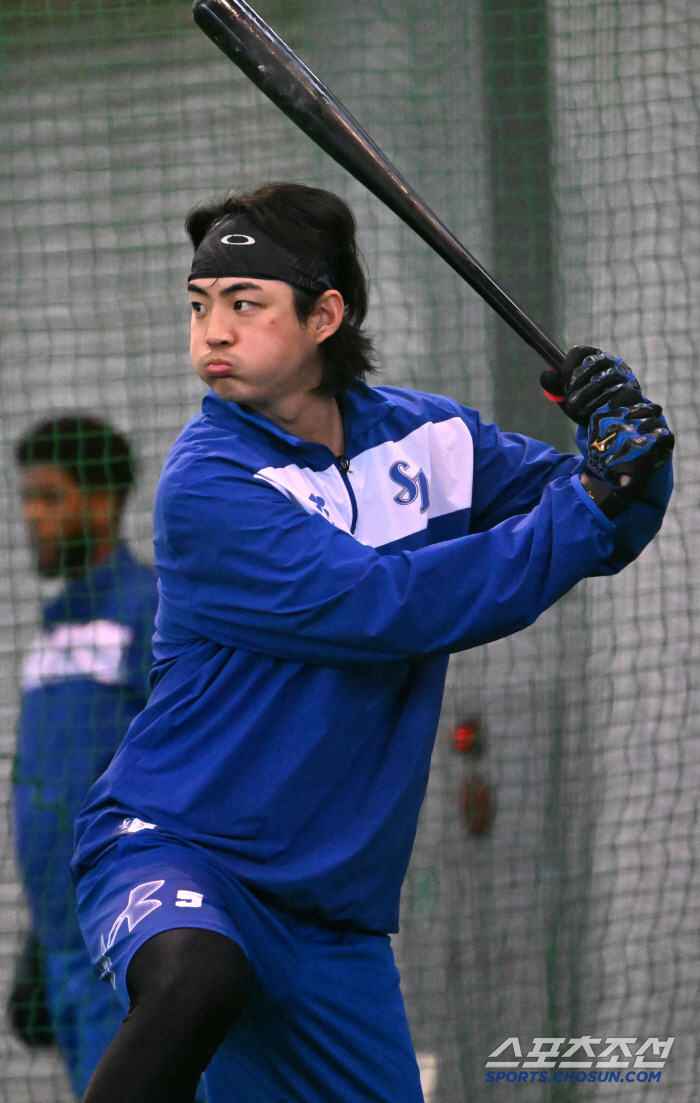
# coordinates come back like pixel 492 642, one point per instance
pixel 187 988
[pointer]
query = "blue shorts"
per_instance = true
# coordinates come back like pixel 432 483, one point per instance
pixel 325 1022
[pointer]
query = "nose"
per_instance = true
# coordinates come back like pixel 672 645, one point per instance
pixel 221 331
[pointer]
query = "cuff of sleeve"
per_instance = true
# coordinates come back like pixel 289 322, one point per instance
pixel 598 513
pixel 582 440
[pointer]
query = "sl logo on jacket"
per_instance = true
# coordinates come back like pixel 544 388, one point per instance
pixel 410 486
pixel 392 490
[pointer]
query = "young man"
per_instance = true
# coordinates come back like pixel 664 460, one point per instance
pixel 322 547
pixel 84 681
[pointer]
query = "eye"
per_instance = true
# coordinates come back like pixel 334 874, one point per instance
pixel 41 495
pixel 243 305
pixel 198 308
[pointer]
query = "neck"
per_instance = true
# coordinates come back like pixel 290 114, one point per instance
pixel 311 417
pixel 80 557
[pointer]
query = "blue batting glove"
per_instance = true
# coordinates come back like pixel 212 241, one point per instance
pixel 625 447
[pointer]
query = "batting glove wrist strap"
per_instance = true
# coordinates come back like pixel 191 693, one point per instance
pixel 589 379
pixel 610 501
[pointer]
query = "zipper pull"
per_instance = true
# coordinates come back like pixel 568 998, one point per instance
pixel 343 464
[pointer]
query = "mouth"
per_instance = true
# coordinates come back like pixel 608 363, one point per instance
pixel 218 368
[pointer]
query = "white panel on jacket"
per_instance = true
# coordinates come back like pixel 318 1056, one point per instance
pixel 437 459
pixel 321 492
pixel 398 485
pixel 90 650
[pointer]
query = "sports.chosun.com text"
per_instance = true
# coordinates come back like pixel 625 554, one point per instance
pixel 620 1060
pixel 560 1077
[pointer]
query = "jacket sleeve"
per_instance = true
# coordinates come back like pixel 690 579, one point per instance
pixel 511 472
pixel 242 565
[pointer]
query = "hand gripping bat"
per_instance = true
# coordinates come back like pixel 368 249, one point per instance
pixel 262 55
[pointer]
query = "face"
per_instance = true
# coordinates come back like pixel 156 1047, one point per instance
pixel 64 522
pixel 248 344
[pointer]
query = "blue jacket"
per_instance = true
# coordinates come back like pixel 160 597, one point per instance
pixel 305 622
pixel 85 679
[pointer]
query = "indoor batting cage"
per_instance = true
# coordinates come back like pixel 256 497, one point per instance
pixel 550 925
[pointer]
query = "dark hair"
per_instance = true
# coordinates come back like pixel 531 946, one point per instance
pixel 95 456
pixel 316 226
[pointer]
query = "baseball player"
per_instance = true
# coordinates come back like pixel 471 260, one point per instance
pixel 322 547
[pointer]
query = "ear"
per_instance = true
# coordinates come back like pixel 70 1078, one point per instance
pixel 327 315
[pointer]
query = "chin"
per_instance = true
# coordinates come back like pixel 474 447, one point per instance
pixel 229 390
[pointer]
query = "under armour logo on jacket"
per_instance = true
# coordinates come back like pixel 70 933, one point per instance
pixel 411 486
pixel 137 908
pixel 320 503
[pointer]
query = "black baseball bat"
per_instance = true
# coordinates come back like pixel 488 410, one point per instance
pixel 262 55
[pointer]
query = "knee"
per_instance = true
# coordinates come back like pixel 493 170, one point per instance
pixel 201 973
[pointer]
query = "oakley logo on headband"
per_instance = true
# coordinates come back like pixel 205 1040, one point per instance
pixel 262 258
pixel 244 240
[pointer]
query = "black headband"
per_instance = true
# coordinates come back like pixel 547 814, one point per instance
pixel 236 246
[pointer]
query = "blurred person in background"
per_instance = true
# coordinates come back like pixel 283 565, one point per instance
pixel 84 680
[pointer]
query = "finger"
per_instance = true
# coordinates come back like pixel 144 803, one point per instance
pixel 643 410
pixel 575 357
pixel 603 370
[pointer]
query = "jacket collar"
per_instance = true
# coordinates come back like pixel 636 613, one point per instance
pixel 361 408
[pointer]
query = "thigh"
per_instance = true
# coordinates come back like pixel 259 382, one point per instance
pixel 341 1035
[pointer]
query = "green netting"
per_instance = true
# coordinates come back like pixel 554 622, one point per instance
pixel 559 141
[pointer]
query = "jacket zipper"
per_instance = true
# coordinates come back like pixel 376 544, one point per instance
pixel 343 465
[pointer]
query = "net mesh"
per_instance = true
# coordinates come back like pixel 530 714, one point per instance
pixel 554 887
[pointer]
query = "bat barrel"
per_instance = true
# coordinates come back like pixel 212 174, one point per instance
pixel 269 63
